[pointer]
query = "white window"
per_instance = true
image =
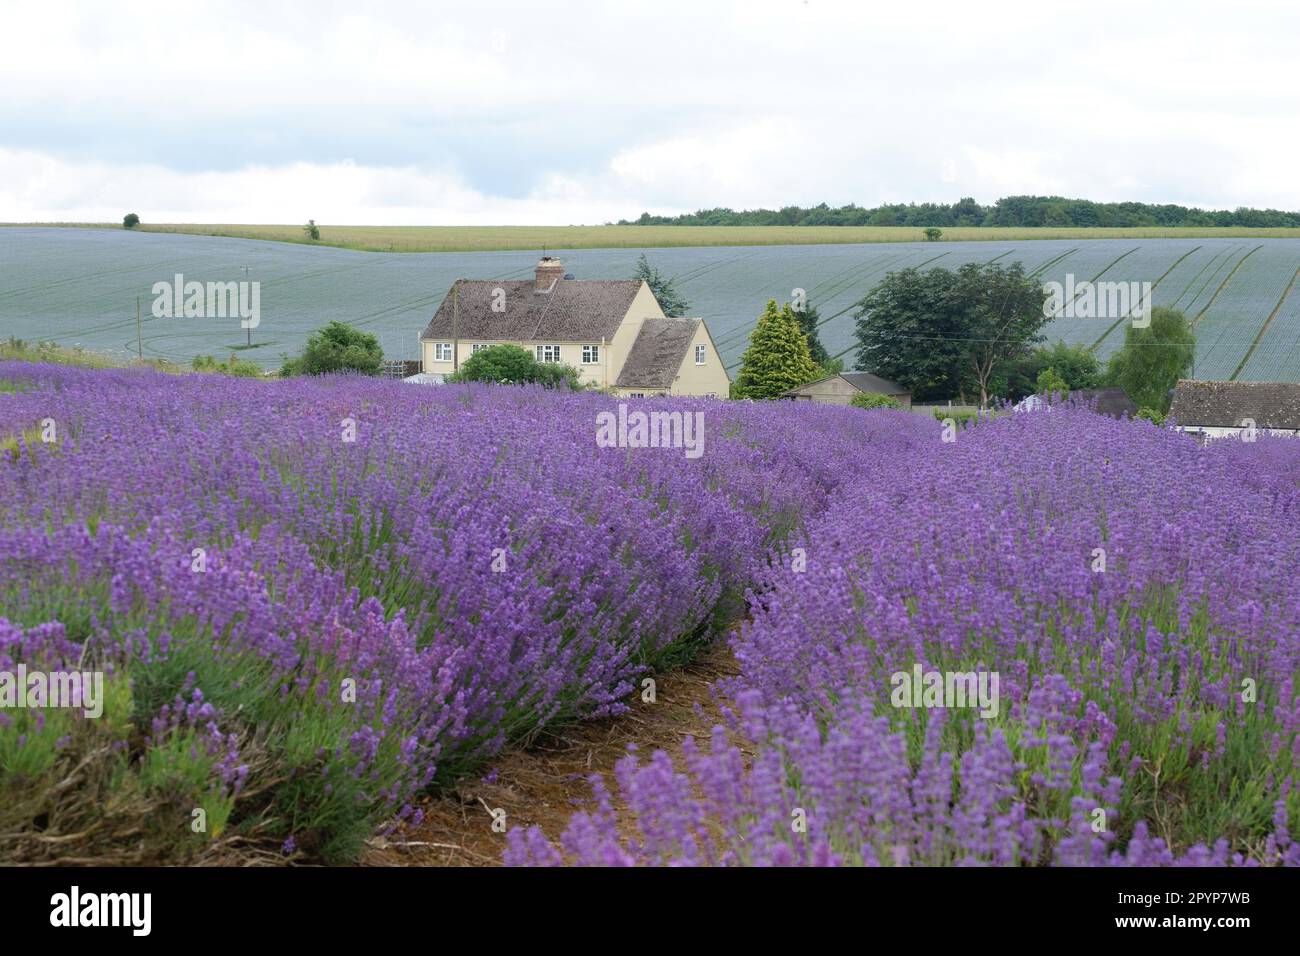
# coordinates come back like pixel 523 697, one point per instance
pixel 442 352
pixel 548 353
pixel 699 355
pixel 591 355
pixel 636 395
pixel 480 345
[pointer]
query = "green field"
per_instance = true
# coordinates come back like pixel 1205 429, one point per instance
pixel 79 287
pixel 506 238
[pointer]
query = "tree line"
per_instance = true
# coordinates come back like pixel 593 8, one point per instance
pixel 1019 211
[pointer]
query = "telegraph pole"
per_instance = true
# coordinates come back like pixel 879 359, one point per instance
pixel 249 330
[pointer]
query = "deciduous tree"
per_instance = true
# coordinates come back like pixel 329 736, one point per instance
pixel 1153 359
pixel 939 331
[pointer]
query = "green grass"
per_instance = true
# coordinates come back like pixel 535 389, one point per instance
pixel 504 238
pixel 19 350
pixel 22 351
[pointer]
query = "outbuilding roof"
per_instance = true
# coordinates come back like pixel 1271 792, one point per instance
pixel 1229 404
pixel 862 381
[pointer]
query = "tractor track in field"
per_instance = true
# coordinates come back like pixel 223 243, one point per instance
pixel 1151 304
pixel 1259 336
pixel 1223 285
pixel 1227 253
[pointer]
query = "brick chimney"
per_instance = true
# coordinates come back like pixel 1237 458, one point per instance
pixel 548 270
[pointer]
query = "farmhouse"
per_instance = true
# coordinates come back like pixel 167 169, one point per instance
pixel 1216 409
pixel 612 331
pixel 840 389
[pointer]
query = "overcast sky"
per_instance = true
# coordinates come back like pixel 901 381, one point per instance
pixel 554 113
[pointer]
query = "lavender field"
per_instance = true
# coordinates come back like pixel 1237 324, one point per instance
pixel 315 601
pixel 1135 594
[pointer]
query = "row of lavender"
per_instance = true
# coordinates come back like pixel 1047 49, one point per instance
pixel 312 600
pixel 1131 598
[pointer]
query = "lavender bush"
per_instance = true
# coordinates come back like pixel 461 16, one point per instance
pixel 1134 594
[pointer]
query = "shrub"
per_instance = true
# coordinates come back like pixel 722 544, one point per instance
pixel 1050 384
pixel 337 348
pixel 960 416
pixel 512 365
pixel 130 221
pixel 206 363
pixel 873 400
pixel 1076 365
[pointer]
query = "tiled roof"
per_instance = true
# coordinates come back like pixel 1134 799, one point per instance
pixel 657 353
pixel 1228 404
pixel 575 310
pixel 866 382
pixel 862 381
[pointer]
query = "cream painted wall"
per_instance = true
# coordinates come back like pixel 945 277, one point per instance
pixel 644 306
pixel 707 379
pixel 1218 431
pixel 570 354
pixel 836 391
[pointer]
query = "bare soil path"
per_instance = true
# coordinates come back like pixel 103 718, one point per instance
pixel 545 783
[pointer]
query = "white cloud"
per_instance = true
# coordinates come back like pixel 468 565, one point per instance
pixel 36 187
pixel 1016 171
pixel 572 112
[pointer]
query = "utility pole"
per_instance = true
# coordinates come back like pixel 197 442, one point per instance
pixel 455 328
pixel 249 330
pixel 139 343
